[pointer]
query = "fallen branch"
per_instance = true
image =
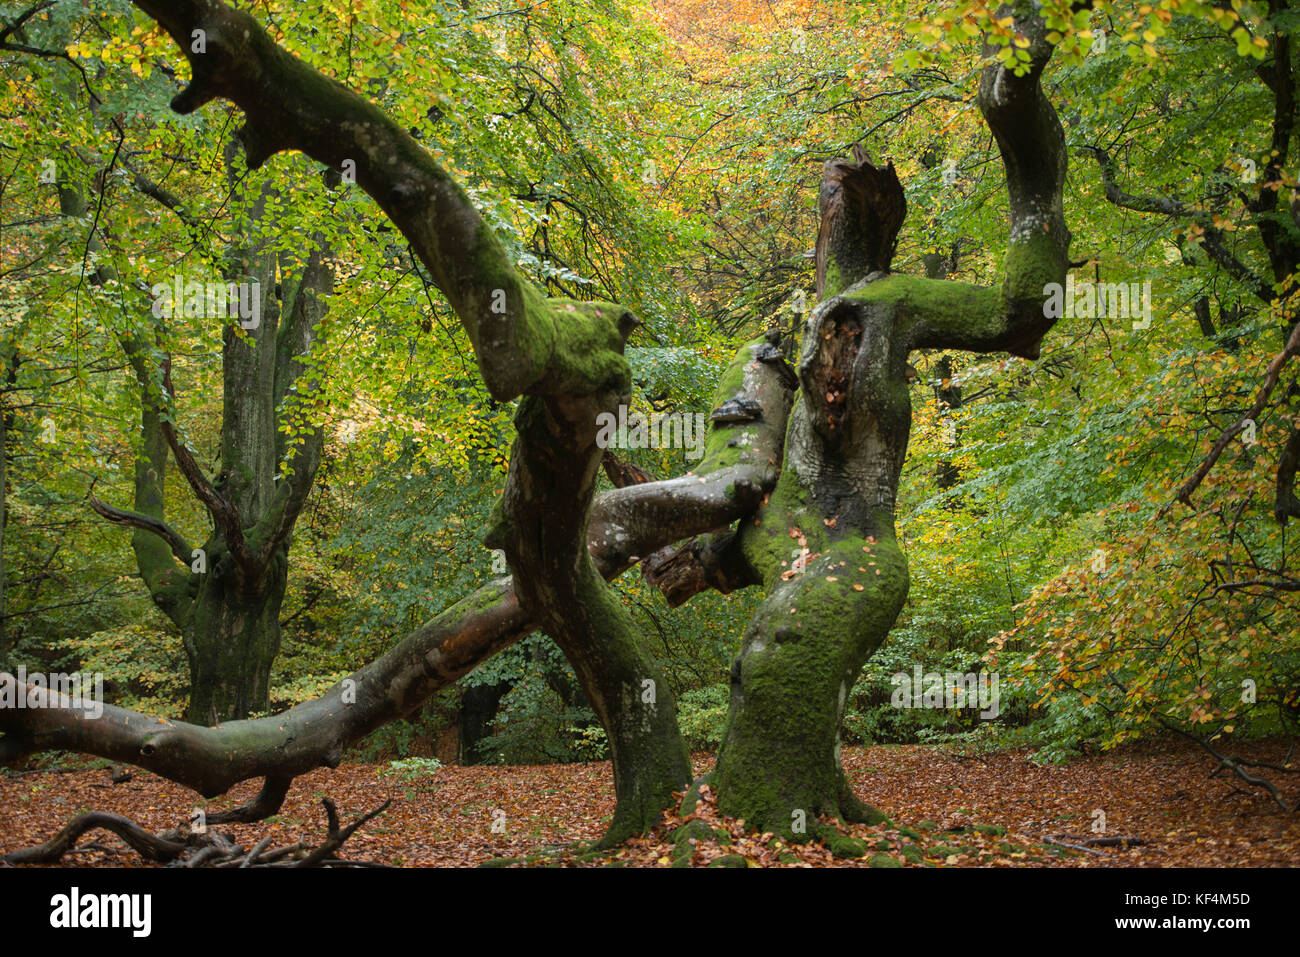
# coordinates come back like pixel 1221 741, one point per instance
pixel 152 847
pixel 1074 847
pixel 1126 841
pixel 1234 764
pixel 336 837
pixel 210 848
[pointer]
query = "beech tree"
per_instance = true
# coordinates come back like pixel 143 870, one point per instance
pixel 795 493
pixel 225 595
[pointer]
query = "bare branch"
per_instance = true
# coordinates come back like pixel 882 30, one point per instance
pixel 223 513
pixel 180 548
pixel 1213 239
pixel 17 23
pixel 1275 367
pixel 1233 764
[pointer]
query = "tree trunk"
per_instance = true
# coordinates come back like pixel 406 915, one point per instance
pixel 628 692
pixel 825 546
pixel 478 709
pixel 231 639
pixel 825 542
pixel 4 485
pixel 553 466
pixel 947 399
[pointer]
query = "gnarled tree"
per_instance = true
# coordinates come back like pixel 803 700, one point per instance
pixel 846 443
pixel 810 479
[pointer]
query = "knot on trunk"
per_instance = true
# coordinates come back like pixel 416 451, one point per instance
pixel 862 208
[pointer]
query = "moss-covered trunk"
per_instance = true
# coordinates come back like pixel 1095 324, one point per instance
pixel 230 654
pixel 836 578
pixel 779 766
pixel 543 527
pixel 546 541
pixel 825 543
pixel 231 639
pixel 628 692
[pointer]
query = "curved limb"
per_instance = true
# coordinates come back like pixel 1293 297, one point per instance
pixel 517 335
pixel 951 315
pixel 625 524
pixel 149 846
pixel 118 516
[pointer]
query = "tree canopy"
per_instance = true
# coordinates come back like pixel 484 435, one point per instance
pixel 627 379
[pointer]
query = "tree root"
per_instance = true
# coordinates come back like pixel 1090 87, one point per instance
pixel 839 843
pixel 856 811
pixel 182 847
pixel 152 847
pixel 697 829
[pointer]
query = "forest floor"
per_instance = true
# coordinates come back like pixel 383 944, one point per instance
pixel 947 808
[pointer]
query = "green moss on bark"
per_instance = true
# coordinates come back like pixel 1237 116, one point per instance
pixel 728 444
pixel 587 348
pixel 802 654
pixel 972 309
pixel 1032 261
pixel 231 639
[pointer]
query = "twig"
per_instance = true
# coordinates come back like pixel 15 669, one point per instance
pixel 1073 847
pixel 212 848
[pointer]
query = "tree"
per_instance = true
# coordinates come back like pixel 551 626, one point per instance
pixel 824 489
pixel 1187 516
pixel 225 595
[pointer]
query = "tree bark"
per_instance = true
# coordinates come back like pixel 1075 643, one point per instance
pixel 553 469
pixel 231 638
pixel 826 549
pixel 825 543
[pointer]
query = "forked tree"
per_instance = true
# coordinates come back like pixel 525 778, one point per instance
pixel 224 596
pixel 795 493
